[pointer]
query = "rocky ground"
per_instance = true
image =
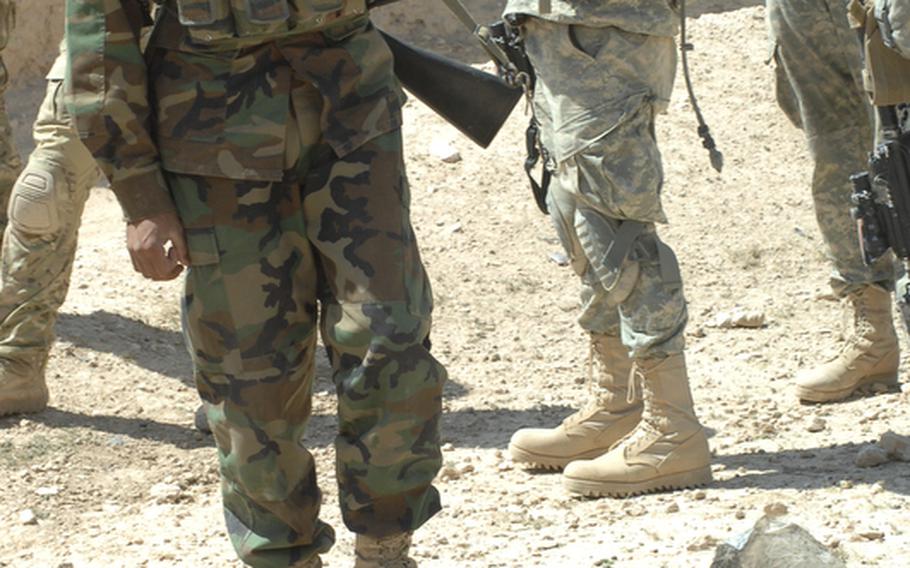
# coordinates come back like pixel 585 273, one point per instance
pixel 113 473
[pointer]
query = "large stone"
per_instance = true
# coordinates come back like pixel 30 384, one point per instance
pixel 897 446
pixel 775 543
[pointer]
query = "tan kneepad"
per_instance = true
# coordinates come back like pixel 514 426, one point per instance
pixel 33 207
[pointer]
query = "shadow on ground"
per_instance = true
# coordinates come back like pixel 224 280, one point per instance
pixel 812 468
pixel 184 437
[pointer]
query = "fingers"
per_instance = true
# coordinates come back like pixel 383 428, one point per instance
pixel 179 249
pixel 153 263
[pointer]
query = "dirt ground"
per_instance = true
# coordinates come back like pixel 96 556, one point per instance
pixel 117 476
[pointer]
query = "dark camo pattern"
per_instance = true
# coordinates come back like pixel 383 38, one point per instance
pixel 284 163
pixel 819 87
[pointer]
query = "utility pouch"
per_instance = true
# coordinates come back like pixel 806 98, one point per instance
pixel 261 17
pixel 206 21
pixel 315 15
pixel 887 73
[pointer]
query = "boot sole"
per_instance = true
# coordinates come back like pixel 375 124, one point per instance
pixel 682 480
pixel 23 407
pixel 812 395
pixel 537 461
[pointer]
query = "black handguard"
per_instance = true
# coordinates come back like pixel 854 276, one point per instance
pixel 881 196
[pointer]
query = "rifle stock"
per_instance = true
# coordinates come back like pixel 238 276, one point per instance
pixel 474 102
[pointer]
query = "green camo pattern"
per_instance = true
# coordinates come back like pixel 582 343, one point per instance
pixel 819 86
pixel 284 162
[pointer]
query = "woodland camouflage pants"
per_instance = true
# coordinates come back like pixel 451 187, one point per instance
pixel 332 246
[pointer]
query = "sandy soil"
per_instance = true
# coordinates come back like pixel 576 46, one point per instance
pixel 116 475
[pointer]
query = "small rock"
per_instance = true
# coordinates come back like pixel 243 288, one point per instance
pixel 454 228
pixel 47 491
pixel 872 535
pixel 165 492
pixel 27 517
pixel 897 446
pixel 559 258
pixel 443 150
pixel 905 388
pixel 775 509
pixel 817 425
pixel 673 508
pixel 706 542
pixel 871 456
pixel 448 447
pixel 880 388
pixel 449 473
pixel 739 317
pixel 699 496
pixel 845 484
pixel 740 515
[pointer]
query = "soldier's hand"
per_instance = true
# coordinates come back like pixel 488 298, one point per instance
pixel 146 241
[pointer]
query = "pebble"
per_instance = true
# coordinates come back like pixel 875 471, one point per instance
pixel 699 496
pixel 47 491
pixel 905 388
pixel 443 150
pixel 559 258
pixel 896 446
pixel 673 508
pixel 27 517
pixel 740 515
pixel 817 425
pixel 845 484
pixel 739 317
pixel 776 509
pixel 872 535
pixel 870 456
pixel 165 492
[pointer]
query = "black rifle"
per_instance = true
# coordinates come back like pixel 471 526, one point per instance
pixel 881 196
pixel 474 102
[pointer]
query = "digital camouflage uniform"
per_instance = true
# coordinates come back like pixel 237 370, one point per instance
pixel 820 88
pixel 604 71
pixel 38 248
pixel 10 164
pixel 281 152
pixel 819 82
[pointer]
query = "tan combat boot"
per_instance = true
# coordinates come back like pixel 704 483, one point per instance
pixel 22 389
pixel 386 552
pixel 667 450
pixel 591 431
pixel 870 354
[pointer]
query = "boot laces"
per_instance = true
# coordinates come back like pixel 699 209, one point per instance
pixel 598 393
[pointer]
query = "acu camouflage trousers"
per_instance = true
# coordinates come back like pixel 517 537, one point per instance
pixel 39 244
pixel 819 86
pixel 597 95
pixel 331 246
pixel 10 163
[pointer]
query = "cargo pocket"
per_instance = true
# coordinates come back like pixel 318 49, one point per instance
pixel 783 90
pixel 620 174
